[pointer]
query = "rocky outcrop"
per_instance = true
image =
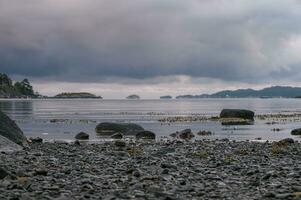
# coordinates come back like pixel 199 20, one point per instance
pixel 108 129
pixel 146 135
pixel 10 130
pixel 7 145
pixel 82 136
pixel 237 113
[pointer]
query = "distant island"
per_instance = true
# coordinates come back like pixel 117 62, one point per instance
pixel 10 89
pixel 166 97
pixel 133 96
pixel 78 95
pixel 270 92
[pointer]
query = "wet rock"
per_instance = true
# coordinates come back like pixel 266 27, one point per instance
pixel 36 140
pixel 286 141
pixel 186 134
pixel 3 173
pixel 117 136
pixel 237 113
pixel 41 172
pixel 296 131
pixel 146 135
pixel 10 130
pixel 107 128
pixel 82 136
pixel 120 143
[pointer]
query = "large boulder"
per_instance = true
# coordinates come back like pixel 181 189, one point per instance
pixel 237 113
pixel 10 130
pixel 8 146
pixel 296 131
pixel 108 129
pixel 146 135
pixel 82 136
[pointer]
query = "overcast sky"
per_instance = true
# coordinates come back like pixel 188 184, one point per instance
pixel 151 47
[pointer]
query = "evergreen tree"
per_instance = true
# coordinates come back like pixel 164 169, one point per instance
pixel 24 88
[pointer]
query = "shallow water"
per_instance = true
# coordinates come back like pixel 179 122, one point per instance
pixel 34 116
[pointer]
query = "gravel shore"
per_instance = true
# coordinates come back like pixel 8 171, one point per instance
pixel 218 169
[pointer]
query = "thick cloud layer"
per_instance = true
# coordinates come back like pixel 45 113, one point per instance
pixel 74 40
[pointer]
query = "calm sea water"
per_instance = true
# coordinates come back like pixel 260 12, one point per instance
pixel 34 116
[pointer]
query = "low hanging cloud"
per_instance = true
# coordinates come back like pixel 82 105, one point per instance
pixel 91 40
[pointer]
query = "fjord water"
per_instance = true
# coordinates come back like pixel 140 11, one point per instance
pixel 62 119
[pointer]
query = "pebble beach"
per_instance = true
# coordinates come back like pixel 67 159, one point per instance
pixel 219 169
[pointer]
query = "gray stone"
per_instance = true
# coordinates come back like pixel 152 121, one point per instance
pixel 10 130
pixel 237 113
pixel 146 135
pixel 107 128
pixel 82 136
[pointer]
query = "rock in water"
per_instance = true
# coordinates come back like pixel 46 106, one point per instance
pixel 237 113
pixel 82 136
pixel 106 128
pixel 146 135
pixel 186 134
pixel 296 131
pixel 117 136
pixel 10 130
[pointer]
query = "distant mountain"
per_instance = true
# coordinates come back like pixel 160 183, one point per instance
pixel 270 92
pixel 22 89
pixel 166 97
pixel 78 95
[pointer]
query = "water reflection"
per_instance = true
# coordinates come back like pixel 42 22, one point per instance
pixel 17 109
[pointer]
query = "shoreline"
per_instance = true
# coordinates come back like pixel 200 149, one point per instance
pixel 219 169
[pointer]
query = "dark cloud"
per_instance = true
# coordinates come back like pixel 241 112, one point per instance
pixel 92 40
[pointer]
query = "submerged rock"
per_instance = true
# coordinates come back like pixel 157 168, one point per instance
pixel 237 113
pixel 10 130
pixel 236 121
pixel 146 135
pixel 108 129
pixel 82 136
pixel 296 131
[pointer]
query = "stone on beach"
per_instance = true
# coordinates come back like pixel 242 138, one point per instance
pixel 108 129
pixel 10 130
pixel 146 135
pixel 82 136
pixel 186 134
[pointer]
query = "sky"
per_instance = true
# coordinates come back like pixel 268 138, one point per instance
pixel 151 47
